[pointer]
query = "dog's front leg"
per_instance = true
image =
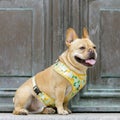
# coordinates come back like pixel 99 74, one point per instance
pixel 60 95
pixel 66 107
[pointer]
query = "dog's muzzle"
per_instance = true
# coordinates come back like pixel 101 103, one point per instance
pixel 91 54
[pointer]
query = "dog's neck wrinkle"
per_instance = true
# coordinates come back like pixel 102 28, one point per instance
pixel 63 59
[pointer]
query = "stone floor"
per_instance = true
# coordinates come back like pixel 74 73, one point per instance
pixel 73 116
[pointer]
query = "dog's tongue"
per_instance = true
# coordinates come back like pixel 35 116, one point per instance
pixel 91 61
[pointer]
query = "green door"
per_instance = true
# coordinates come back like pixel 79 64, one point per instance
pixel 21 41
pixel 32 36
pixel 102 92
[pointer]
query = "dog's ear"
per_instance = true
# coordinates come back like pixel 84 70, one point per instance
pixel 85 33
pixel 70 36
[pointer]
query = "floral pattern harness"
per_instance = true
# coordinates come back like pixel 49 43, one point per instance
pixel 76 80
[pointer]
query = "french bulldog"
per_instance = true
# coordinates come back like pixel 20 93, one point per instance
pixel 78 57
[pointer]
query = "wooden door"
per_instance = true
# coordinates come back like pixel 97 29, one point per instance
pixel 21 45
pixel 102 92
pixel 32 34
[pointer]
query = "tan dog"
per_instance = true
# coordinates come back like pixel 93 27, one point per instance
pixel 80 55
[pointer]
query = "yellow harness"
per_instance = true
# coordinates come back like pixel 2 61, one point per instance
pixel 77 81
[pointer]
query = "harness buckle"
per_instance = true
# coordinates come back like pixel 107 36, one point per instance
pixel 36 90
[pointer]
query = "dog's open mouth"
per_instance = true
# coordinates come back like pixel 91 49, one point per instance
pixel 88 62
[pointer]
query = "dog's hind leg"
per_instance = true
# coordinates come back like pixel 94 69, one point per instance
pixel 20 111
pixel 21 107
pixel 21 102
pixel 48 110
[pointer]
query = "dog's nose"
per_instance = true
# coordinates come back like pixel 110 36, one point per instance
pixel 91 54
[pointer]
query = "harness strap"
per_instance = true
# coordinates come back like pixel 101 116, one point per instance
pixel 77 81
pixel 43 97
pixel 35 88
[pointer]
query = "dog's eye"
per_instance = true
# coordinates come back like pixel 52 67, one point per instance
pixel 94 47
pixel 82 48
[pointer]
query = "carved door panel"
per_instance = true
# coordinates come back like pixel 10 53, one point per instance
pixel 21 41
pixel 102 92
pixel 32 34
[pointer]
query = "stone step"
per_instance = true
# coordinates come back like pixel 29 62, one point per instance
pixel 73 116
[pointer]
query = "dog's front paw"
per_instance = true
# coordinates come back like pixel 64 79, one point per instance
pixel 63 112
pixel 69 111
